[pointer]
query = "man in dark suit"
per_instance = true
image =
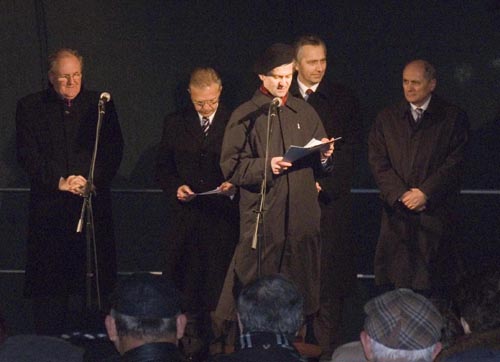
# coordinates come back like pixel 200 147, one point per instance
pixel 55 134
pixel 339 112
pixel 202 230
pixel 416 150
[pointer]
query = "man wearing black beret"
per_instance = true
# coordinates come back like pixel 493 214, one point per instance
pixel 145 321
pixel 290 229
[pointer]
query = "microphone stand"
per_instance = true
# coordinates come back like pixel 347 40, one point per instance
pixel 87 215
pixel 258 235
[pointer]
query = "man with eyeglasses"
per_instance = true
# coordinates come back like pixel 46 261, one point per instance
pixel 201 230
pixel 55 133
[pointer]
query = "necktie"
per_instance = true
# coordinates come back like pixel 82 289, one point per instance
pixel 419 112
pixel 205 125
pixel 67 105
pixel 308 93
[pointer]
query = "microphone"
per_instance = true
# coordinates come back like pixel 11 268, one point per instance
pixel 276 102
pixel 105 97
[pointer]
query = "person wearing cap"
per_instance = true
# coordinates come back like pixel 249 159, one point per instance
pixel 201 231
pixel 145 321
pixel 401 326
pixel 270 313
pixel 55 135
pixel 290 227
pixel 339 112
pixel 416 151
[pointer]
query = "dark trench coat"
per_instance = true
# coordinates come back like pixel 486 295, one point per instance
pixel 291 233
pixel 418 250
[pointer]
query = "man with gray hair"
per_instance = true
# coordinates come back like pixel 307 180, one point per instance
pixel 201 231
pixel 401 326
pixel 270 313
pixel 145 321
pixel 55 135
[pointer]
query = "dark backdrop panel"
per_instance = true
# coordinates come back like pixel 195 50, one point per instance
pixel 142 52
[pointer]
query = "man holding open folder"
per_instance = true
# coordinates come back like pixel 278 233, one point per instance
pixel 290 228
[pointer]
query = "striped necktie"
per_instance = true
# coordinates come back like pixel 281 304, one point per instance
pixel 419 112
pixel 205 125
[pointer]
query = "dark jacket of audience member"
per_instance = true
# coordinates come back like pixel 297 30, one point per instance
pixel 478 303
pixel 145 321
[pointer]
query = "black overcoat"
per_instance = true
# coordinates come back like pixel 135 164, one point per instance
pixel 339 112
pixel 416 250
pixel 55 141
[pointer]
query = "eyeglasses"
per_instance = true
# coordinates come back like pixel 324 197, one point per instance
pixel 68 77
pixel 210 103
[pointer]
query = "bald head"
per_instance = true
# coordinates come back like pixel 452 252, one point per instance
pixel 419 81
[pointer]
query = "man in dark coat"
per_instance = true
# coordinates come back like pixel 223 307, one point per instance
pixel 55 132
pixel 145 322
pixel 416 151
pixel 339 112
pixel 290 228
pixel 202 230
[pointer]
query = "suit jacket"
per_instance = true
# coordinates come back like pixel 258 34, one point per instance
pixel 54 141
pixel 339 112
pixel 200 234
pixel 416 250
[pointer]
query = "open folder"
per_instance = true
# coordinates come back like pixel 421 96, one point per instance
pixel 296 152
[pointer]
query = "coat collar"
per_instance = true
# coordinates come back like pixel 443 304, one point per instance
pixel 324 89
pixel 153 352
pixel 262 102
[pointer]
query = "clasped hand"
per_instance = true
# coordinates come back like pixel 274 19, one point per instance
pixel 75 184
pixel 414 199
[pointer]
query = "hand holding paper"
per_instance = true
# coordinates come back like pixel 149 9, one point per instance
pixel 227 189
pixel 278 165
pixel 327 152
pixel 185 194
pixel 296 152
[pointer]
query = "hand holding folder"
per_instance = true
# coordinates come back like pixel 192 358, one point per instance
pixel 295 153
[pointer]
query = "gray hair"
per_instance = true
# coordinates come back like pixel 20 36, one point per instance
pixel 61 53
pixel 144 328
pixel 308 39
pixel 204 77
pixel 271 304
pixel 382 353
